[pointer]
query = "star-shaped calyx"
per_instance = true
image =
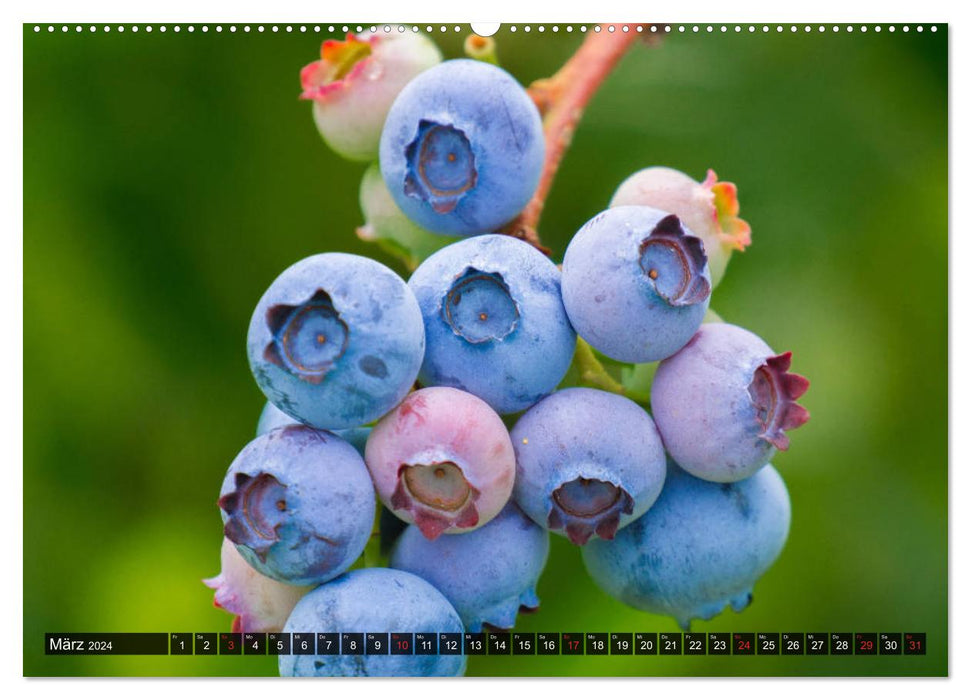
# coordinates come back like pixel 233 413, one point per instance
pixel 479 307
pixel 437 496
pixel 441 166
pixel 308 338
pixel 582 507
pixel 674 263
pixel 256 508
pixel 774 391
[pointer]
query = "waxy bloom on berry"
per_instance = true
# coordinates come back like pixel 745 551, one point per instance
pixel 298 505
pixel 635 283
pixel 495 325
pixel 462 149
pixel 724 402
pixel 354 83
pixel 699 549
pixel 507 555
pixel 336 341
pixel 588 462
pixel 384 602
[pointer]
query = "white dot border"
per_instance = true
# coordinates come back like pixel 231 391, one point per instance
pixel 673 28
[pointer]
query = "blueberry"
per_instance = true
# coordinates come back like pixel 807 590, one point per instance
pixel 442 460
pixel 709 209
pixel 462 148
pixel 259 603
pixel 354 83
pixel 724 402
pixel 507 555
pixel 701 547
pixel 336 341
pixel 357 437
pixel 377 601
pixel 635 283
pixel 272 418
pixel 298 504
pixel 587 462
pixel 492 308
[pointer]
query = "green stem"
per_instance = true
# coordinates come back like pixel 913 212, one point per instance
pixel 593 373
pixel 481 48
pixel 372 557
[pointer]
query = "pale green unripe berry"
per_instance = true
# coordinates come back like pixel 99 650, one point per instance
pixel 354 83
pixel 709 209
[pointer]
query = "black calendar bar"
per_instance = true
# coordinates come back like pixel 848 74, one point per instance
pixel 757 644
pixel 103 644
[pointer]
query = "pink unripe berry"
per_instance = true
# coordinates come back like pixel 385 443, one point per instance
pixel 260 603
pixel 709 209
pixel 442 460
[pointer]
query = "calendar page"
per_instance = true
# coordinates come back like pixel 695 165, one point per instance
pixel 605 349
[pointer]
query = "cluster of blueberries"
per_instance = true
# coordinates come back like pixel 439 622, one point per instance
pixel 677 514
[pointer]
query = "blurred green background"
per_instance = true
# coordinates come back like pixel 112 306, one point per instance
pixel 168 178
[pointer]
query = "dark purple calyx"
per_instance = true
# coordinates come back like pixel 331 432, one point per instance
pixel 308 339
pixel 674 263
pixel 583 507
pixel 440 166
pixel 256 509
pixel 774 392
pixel 479 307
pixel 437 496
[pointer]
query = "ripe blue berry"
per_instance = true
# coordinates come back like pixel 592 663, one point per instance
pixel 635 283
pixel 724 402
pixel 272 418
pixel 298 504
pixel 701 547
pixel 336 341
pixel 587 462
pixel 507 555
pixel 356 437
pixel 462 148
pixel 378 601
pixel 442 460
pixel 494 321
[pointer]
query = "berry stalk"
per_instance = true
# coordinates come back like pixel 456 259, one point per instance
pixel 594 374
pixel 561 100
